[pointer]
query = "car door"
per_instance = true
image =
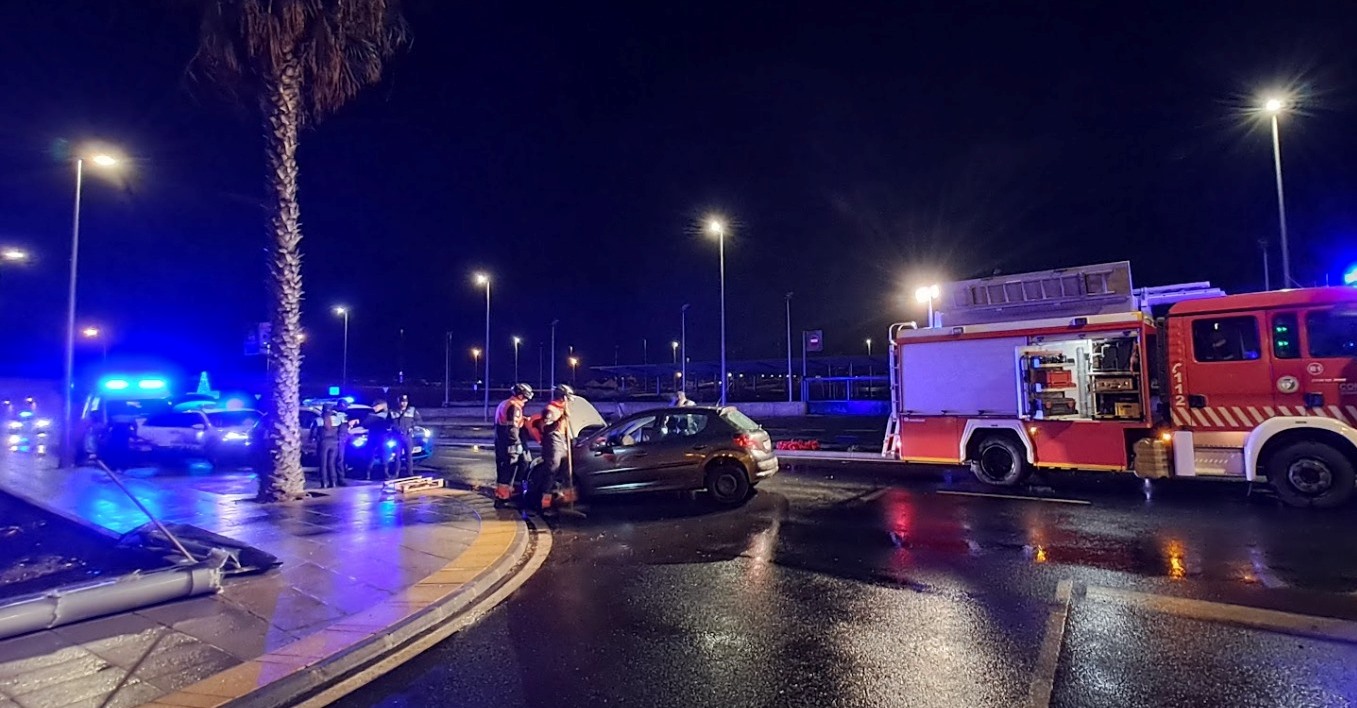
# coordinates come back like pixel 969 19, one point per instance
pixel 618 456
pixel 682 445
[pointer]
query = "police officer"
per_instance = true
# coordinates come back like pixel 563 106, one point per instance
pixel 378 426
pixel 345 437
pixel 553 471
pixel 327 446
pixel 403 421
pixel 511 455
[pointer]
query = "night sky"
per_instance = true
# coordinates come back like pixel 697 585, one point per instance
pixel 860 149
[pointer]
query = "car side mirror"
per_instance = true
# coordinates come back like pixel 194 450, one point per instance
pixel 600 445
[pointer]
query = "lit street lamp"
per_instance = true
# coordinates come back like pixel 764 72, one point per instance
pixel 97 335
pixel 927 294
pixel 674 345
pixel 483 279
pixel 717 228
pixel 517 341
pixel 1274 106
pixel 104 161
pixel 13 255
pixel 343 311
pixel 574 364
pixel 475 366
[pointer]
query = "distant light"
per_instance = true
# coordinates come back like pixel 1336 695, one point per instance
pixel 90 332
pixel 476 352
pixel 482 279
pixel 674 345
pixel 42 423
pixel 15 439
pixel 13 255
pixel 104 160
pixel 390 443
pixel 715 226
pixel 518 340
pixel 151 384
pixel 116 385
pixel 1350 277
pixel 927 293
pixel 574 361
pixel 341 310
pixel 16 425
pixel 334 391
pixel 1274 105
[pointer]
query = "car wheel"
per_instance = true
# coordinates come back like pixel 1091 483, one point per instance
pixel 1311 474
pixel 728 483
pixel 1000 462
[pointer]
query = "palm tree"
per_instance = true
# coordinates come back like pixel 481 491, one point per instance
pixel 297 61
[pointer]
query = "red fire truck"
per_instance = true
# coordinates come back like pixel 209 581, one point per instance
pixel 1075 369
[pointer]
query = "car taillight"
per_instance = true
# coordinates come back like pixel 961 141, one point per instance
pixel 746 441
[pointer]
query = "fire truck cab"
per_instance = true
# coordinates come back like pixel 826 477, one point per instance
pixel 1075 369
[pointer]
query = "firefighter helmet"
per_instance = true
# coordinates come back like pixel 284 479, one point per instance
pixel 562 391
pixel 522 389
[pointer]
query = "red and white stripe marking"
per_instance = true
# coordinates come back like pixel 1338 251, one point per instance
pixel 1246 417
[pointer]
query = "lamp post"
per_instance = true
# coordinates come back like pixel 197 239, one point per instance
pixel 483 279
pixel 716 227
pixel 343 311
pixel 1273 107
pixel 553 353
pixel 475 366
pixel 683 346
pixel 10 254
pixel 574 364
pixel 104 161
pixel 789 347
pixel 517 341
pixel 447 369
pixel 927 294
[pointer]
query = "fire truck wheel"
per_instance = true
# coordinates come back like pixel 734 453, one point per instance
pixel 1313 474
pixel 1000 461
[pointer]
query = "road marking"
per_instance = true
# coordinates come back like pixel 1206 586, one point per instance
pixel 1325 628
pixel 1043 683
pixel 1013 496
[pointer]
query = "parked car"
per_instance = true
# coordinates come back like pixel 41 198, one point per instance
pixel 719 450
pixel 217 435
pixel 358 454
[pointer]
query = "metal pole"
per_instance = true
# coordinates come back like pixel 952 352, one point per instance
pixel 683 345
pixel 487 350
pixel 540 367
pixel 1287 282
pixel 344 367
pixel 553 353
pixel 930 312
pixel 789 347
pixel 1267 267
pixel 447 368
pixel 805 383
pixel 725 376
pixel 68 408
pixel 515 361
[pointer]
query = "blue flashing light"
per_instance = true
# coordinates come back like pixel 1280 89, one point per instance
pixel 116 385
pixel 151 384
pixel 1350 275
pixel 334 390
pixel 348 400
pixel 391 444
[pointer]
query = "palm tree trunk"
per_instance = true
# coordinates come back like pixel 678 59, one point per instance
pixel 283 478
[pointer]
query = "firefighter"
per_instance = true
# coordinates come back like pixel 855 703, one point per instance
pixel 403 421
pixel 552 473
pixel 511 455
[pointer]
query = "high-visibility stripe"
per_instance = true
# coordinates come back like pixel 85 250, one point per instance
pixel 1270 413
pixel 1201 417
pixel 1257 415
pixel 1352 414
pixel 1178 416
pixel 1337 412
pixel 1215 419
pixel 1224 412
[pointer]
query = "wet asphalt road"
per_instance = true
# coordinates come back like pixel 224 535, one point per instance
pixel 860 585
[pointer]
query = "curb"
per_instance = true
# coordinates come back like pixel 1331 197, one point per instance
pixel 325 666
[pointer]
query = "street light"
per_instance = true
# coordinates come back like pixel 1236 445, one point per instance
pixel 927 294
pixel 869 346
pixel 674 345
pixel 97 335
pixel 574 363
pixel 517 341
pixel 789 347
pixel 1274 106
pixel 483 279
pixel 683 346
pixel 475 366
pixel 716 227
pixel 343 311
pixel 13 255
pixel 104 161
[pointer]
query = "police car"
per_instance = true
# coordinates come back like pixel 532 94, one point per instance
pixel 359 453
pixel 217 435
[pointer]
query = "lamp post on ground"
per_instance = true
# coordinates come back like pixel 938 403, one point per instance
pixel 716 227
pixel 104 161
pixel 1273 107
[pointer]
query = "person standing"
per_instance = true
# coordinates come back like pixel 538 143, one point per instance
pixel 511 456
pixel 345 437
pixel 681 400
pixel 378 427
pixel 552 473
pixel 327 447
pixel 403 422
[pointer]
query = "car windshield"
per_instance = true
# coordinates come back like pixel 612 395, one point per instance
pixel 739 420
pixel 232 419
pixel 132 408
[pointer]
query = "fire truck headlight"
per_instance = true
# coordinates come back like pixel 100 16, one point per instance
pixel 1166 437
pixel 1032 430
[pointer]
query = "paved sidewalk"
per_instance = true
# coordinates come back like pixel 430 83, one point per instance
pixel 363 570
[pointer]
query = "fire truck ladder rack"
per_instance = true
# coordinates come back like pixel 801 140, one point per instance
pixel 890 445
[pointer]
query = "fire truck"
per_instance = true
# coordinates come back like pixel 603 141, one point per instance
pixel 1075 369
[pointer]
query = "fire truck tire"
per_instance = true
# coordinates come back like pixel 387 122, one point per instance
pixel 1000 461
pixel 1308 473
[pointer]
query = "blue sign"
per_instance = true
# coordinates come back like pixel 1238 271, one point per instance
pixel 334 390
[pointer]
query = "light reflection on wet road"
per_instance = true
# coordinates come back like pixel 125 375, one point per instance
pixel 857 586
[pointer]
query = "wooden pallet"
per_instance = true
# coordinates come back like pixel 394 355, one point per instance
pixel 415 484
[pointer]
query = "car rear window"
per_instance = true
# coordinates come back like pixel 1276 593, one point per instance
pixel 739 420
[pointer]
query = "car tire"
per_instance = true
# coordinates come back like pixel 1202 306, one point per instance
pixel 1000 462
pixel 728 483
pixel 1311 474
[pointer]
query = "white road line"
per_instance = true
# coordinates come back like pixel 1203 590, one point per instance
pixel 1012 496
pixel 1048 660
pixel 1325 628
